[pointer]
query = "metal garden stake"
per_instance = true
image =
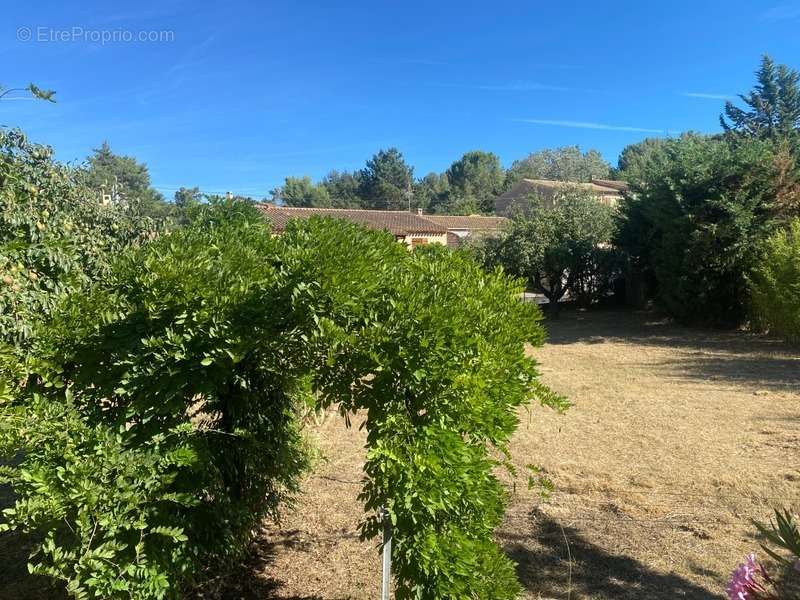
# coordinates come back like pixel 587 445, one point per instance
pixel 387 554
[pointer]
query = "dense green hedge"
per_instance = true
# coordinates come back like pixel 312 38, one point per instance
pixel 696 218
pixel 775 284
pixel 176 377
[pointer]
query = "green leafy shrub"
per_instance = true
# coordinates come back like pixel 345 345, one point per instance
pixel 434 350
pixel 754 579
pixel 181 371
pixel 775 283
pixel 187 334
pixel 107 509
pixel 696 218
pixel 55 236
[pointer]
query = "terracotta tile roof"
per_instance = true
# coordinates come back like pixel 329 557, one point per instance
pixel 471 222
pixel 605 189
pixel 597 185
pixel 621 186
pixel 397 222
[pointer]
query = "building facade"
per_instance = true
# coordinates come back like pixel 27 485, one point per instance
pixel 409 228
pixel 519 197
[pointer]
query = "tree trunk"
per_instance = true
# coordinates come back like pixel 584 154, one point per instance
pixel 554 306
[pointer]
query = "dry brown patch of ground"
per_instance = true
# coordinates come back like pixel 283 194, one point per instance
pixel 677 438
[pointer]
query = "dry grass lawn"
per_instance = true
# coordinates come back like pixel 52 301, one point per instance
pixel 677 439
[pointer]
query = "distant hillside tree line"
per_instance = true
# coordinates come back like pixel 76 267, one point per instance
pixel 468 186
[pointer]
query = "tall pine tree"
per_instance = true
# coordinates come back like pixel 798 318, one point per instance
pixel 773 105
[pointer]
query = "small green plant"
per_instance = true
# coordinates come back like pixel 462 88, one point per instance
pixel 752 579
pixel 782 535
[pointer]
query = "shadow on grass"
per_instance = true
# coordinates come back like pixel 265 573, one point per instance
pixel 725 355
pixel 248 581
pixel 584 570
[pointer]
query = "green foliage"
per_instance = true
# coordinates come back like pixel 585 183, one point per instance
pixel 782 534
pixel 165 351
pixel 54 235
pixel 637 159
pixel 386 181
pixel 475 179
pixel 186 198
pixel 448 376
pixel 302 192
pixel 775 283
pixel 336 190
pixel 469 186
pixel 343 188
pixel 774 105
pixel 695 220
pixel 560 249
pixel 432 194
pixel 108 509
pixel 560 164
pixel 182 370
pixel 126 181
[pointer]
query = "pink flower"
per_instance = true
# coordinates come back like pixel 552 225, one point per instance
pixel 745 581
pixel 742 579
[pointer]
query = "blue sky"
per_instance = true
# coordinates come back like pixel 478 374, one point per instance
pixel 238 95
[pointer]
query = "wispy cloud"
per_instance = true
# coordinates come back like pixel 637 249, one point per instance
pixel 708 96
pixel 425 61
pixel 522 86
pixel 591 125
pixel 783 12
pixel 512 86
pixel 560 66
pixel 195 56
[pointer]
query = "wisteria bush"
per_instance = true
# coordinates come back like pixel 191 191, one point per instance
pixel 160 425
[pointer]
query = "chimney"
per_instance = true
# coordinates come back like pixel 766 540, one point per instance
pixel 419 211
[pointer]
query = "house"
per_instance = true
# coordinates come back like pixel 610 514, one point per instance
pixel 459 228
pixel 516 199
pixel 410 228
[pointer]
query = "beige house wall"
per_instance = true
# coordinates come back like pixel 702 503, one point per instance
pixel 414 239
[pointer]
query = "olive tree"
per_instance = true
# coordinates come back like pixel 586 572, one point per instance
pixel 559 250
